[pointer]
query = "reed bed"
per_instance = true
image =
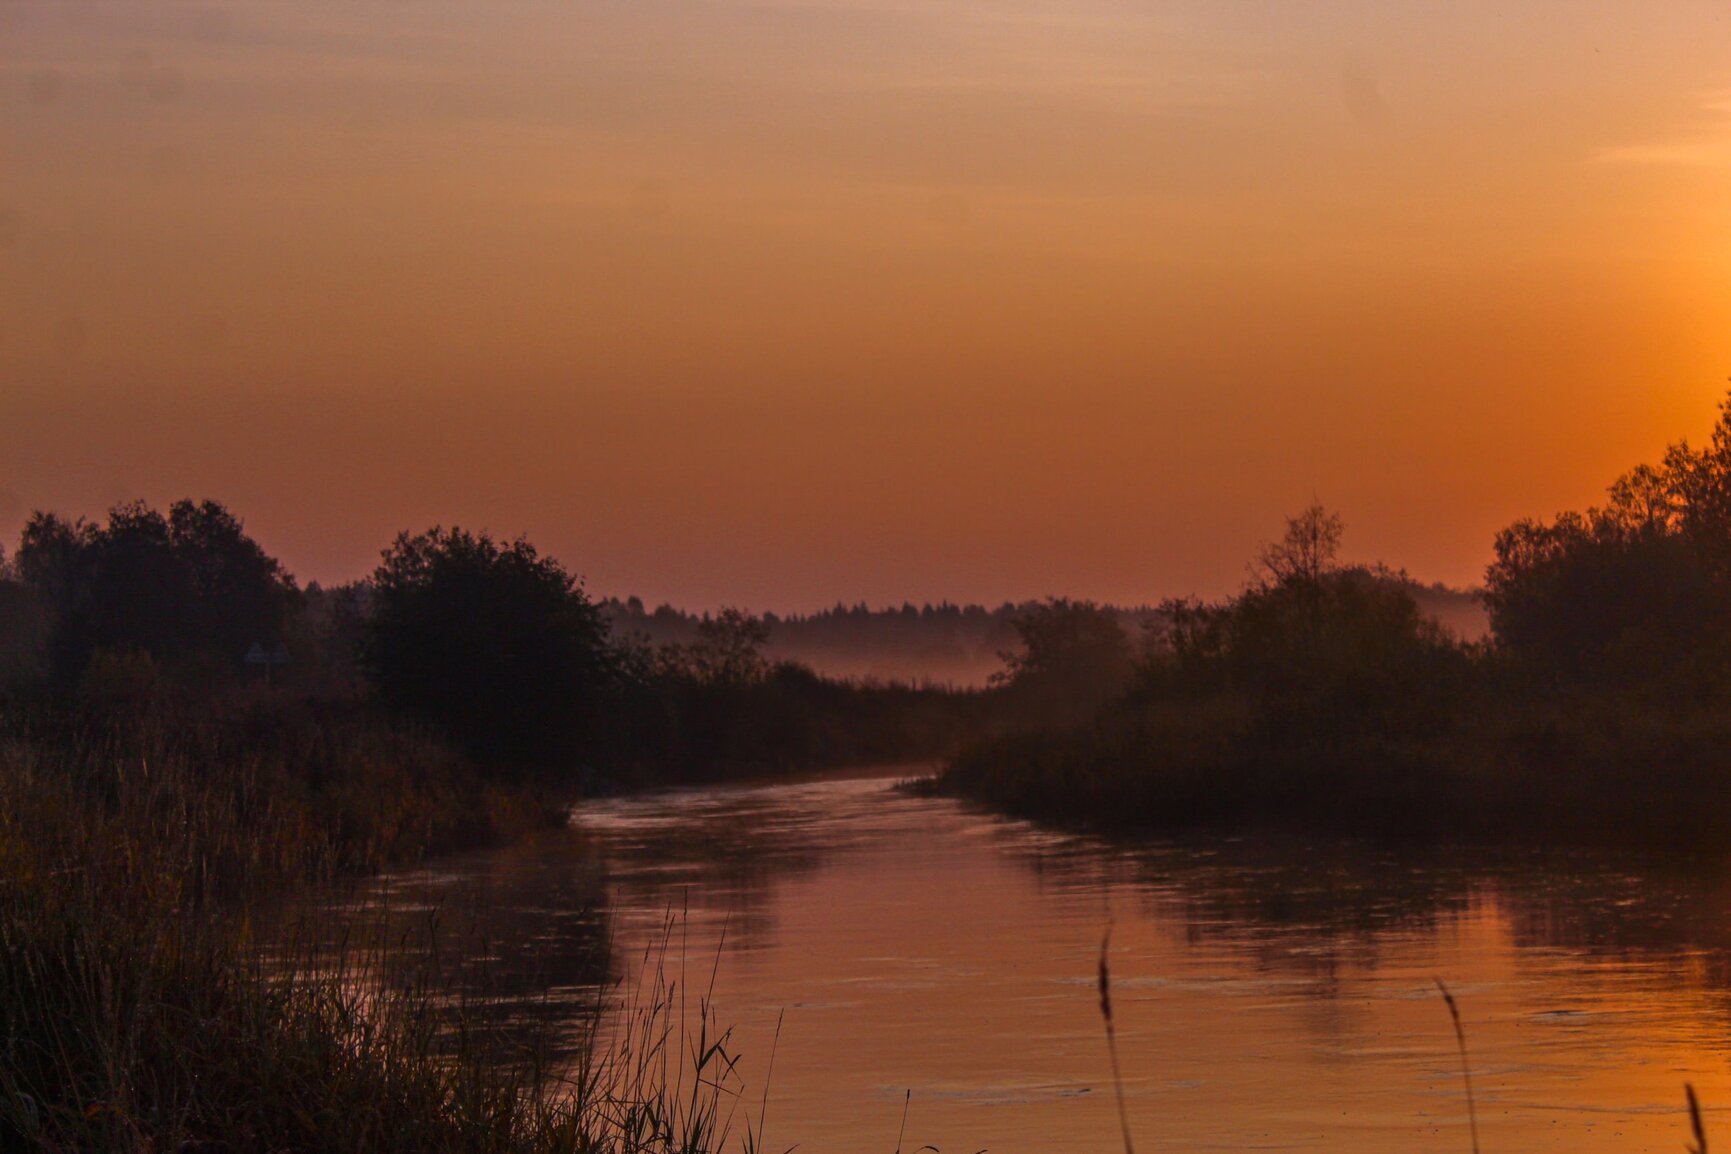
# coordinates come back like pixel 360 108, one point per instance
pixel 140 1010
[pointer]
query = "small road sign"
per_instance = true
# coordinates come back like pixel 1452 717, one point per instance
pixel 257 654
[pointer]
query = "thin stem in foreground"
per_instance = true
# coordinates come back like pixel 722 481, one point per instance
pixel 1466 1067
pixel 1112 1039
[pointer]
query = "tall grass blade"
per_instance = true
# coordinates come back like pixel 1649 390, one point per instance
pixel 1466 1067
pixel 1112 1039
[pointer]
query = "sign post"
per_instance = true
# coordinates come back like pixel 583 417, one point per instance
pixel 277 654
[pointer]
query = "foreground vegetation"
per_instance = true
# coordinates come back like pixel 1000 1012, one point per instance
pixel 139 861
pixel 1320 699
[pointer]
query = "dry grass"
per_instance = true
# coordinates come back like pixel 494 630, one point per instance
pixel 140 1014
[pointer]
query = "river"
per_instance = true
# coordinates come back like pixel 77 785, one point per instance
pixel 1266 996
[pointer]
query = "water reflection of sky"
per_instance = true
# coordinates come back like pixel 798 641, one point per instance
pixel 1268 994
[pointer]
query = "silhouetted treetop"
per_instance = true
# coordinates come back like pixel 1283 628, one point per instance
pixel 191 585
pixel 727 650
pixel 1308 549
pixel 1073 656
pixel 1640 585
pixel 492 642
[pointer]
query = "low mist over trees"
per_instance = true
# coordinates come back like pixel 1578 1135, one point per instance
pixel 939 642
pixel 496 651
pixel 487 648
pixel 727 650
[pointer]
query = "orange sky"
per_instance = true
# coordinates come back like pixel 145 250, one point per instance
pixel 786 301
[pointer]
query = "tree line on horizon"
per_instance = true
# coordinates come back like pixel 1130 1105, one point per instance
pixel 491 643
pixel 187 593
pixel 1321 696
pixel 500 647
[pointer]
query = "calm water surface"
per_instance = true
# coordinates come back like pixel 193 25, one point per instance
pixel 1267 997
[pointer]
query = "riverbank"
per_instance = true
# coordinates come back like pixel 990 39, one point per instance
pixel 1493 761
pixel 138 1011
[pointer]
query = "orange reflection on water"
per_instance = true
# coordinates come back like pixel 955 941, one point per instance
pixel 1265 996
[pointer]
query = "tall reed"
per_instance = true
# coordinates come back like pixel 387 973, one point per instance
pixel 1105 985
pixel 1466 1067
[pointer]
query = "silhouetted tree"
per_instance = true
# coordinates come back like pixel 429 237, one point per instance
pixel 1358 625
pixel 54 560
pixel 1073 656
pixel 727 651
pixel 1310 640
pixel 240 594
pixel 1637 587
pixel 492 642
pixel 23 630
pixel 329 633
pixel 190 587
pixel 1306 552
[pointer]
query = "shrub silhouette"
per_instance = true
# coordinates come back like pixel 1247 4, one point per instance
pixel 1073 657
pixel 493 643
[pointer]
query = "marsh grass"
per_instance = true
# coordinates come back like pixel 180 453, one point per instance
pixel 1697 1129
pixel 1509 765
pixel 667 1078
pixel 141 1010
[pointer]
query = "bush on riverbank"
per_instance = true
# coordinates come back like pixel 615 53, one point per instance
pixel 1580 769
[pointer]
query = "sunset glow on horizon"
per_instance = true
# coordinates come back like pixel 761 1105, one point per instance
pixel 783 302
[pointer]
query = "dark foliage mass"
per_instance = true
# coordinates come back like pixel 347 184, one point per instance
pixel 493 642
pixel 1313 644
pixel 1636 589
pixel 189 589
pixel 1071 657
pixel 1323 698
pixel 489 645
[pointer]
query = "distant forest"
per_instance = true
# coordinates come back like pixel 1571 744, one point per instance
pixel 947 644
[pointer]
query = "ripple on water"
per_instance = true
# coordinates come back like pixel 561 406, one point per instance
pixel 1267 995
